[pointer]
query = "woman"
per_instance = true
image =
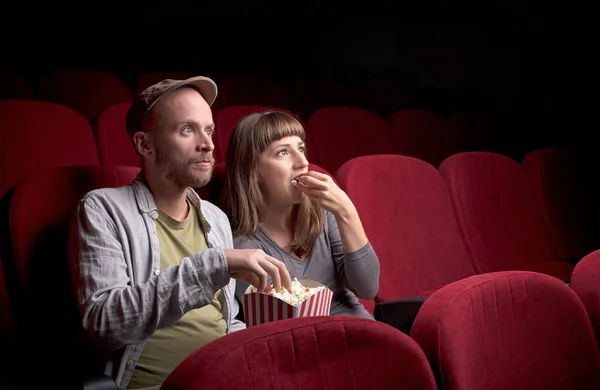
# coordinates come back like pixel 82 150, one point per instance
pixel 298 216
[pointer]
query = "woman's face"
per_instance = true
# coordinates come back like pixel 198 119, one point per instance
pixel 279 164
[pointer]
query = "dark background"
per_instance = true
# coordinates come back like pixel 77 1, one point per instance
pixel 525 63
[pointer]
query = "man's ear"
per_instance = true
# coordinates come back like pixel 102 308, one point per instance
pixel 143 143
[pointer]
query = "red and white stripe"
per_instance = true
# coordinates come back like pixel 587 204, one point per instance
pixel 317 304
pixel 261 308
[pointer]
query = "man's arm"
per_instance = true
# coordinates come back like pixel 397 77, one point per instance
pixel 118 313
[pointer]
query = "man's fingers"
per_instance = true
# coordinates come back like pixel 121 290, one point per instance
pixel 262 283
pixel 286 279
pixel 251 278
pixel 272 270
pixel 284 276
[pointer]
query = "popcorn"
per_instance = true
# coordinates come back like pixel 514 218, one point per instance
pixel 308 298
pixel 298 294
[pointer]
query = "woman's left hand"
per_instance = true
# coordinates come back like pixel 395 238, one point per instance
pixel 325 192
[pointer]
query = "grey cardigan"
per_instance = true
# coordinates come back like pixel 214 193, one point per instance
pixel 348 275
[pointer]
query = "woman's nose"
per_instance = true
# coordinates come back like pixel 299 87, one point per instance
pixel 301 160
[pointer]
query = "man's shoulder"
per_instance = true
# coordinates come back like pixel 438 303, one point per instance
pixel 213 213
pixel 113 196
pixel 211 208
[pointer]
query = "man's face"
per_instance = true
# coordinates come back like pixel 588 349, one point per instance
pixel 181 127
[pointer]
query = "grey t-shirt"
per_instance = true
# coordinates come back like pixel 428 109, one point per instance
pixel 347 274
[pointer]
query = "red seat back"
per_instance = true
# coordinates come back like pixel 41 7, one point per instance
pixel 46 311
pixel 424 135
pixel 499 215
pixel 508 330
pixel 307 353
pixel 38 135
pixel 407 213
pixel 86 91
pixel 342 133
pixel 564 184
pixel 114 145
pixel 586 284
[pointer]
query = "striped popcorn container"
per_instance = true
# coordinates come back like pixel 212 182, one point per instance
pixel 260 308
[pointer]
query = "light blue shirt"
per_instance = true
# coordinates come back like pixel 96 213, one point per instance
pixel 122 294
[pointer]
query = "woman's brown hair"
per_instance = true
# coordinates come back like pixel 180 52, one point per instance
pixel 243 200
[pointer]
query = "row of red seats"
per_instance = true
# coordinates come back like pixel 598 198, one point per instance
pixel 335 135
pixel 560 178
pixel 505 330
pixel 90 91
pixel 499 192
pixel 479 212
pixel 531 325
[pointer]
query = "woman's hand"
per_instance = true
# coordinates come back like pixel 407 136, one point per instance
pixel 326 193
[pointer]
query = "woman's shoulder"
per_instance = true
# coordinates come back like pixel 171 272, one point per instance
pixel 244 242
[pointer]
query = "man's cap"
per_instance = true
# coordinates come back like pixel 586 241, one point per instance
pixel 151 95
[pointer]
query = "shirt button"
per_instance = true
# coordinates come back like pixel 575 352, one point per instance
pixel 156 272
pixel 130 362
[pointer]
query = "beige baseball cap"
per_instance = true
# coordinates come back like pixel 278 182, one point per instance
pixel 149 96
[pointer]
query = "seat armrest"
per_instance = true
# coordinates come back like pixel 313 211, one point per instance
pixel 399 313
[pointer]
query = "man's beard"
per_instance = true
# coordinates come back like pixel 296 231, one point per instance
pixel 186 174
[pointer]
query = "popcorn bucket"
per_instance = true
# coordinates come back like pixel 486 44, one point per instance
pixel 260 308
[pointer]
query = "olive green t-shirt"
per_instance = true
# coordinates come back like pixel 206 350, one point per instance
pixel 168 346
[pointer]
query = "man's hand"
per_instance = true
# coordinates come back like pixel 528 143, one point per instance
pixel 254 266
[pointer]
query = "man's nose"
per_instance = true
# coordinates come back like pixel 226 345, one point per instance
pixel 205 143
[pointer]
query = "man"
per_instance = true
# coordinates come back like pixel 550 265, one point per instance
pixel 155 262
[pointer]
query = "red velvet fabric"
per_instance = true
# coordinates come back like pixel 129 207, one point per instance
pixel 342 133
pixel 86 91
pixel 586 284
pixel 114 145
pixel 424 135
pixel 251 90
pixel 514 330
pixel 38 135
pixel 564 183
pixel 407 214
pixel 499 216
pixel 46 313
pixel 307 353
